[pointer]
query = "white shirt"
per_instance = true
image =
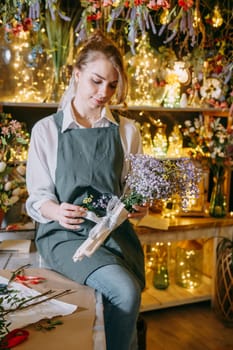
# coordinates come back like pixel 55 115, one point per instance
pixel 42 156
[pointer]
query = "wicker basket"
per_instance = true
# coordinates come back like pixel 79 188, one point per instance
pixel 223 296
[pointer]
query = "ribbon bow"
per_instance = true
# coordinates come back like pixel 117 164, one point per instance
pixel 116 214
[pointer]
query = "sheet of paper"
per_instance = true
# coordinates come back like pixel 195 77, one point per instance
pixel 16 245
pixel 48 309
pixel 153 222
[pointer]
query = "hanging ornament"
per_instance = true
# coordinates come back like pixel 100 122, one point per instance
pixel 217 19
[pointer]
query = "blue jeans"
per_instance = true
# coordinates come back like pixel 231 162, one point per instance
pixel 121 298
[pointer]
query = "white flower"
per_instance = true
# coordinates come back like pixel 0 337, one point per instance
pixel 16 191
pixel 12 200
pixel 2 167
pixel 21 169
pixel 8 186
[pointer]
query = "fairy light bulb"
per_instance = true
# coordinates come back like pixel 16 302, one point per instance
pixel 164 17
pixel 196 18
pixel 217 19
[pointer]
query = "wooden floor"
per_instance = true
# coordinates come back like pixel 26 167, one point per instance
pixel 188 327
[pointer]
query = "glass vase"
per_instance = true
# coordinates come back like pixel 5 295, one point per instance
pixel 218 198
pixel 160 142
pixel 160 268
pixel 189 263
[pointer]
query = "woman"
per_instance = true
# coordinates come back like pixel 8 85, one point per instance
pixel 78 154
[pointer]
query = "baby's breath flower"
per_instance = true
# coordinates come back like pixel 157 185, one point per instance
pixel 152 178
pixel 8 186
pixel 2 167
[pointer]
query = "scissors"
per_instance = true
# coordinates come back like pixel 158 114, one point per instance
pixel 13 338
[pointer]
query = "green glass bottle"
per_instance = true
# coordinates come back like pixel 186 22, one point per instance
pixel 160 273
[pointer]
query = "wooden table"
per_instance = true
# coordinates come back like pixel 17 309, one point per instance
pixel 77 329
pixel 207 229
pixel 82 330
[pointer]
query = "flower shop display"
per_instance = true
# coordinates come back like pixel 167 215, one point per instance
pixel 212 144
pixel 197 35
pixel 148 179
pixel 14 140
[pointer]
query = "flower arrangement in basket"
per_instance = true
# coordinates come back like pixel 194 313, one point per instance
pixel 14 141
pixel 148 179
pixel 212 145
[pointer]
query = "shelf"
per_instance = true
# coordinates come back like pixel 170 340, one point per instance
pixel 179 229
pixel 174 295
pixel 184 228
pixel 217 111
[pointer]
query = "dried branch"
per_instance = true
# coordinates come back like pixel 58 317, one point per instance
pixel 51 294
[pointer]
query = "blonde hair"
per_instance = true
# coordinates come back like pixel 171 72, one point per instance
pixel 97 44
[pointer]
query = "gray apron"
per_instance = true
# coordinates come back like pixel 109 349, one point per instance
pixel 89 162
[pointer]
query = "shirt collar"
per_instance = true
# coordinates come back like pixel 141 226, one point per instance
pixel 70 123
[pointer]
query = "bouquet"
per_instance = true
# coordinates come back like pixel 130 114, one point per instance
pixel 211 144
pixel 14 141
pixel 149 179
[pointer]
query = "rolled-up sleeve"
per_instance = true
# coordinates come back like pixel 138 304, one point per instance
pixel 41 164
pixel 131 141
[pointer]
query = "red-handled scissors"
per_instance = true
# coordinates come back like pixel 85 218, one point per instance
pixel 13 338
pixel 29 279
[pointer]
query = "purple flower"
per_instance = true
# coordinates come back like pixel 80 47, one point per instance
pixel 153 178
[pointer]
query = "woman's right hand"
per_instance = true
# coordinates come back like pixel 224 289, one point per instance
pixel 70 215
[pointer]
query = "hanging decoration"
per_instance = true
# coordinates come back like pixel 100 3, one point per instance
pixel 189 27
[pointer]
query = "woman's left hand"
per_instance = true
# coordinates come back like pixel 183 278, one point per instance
pixel 139 211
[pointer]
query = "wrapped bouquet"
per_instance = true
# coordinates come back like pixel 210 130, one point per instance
pixel 148 179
